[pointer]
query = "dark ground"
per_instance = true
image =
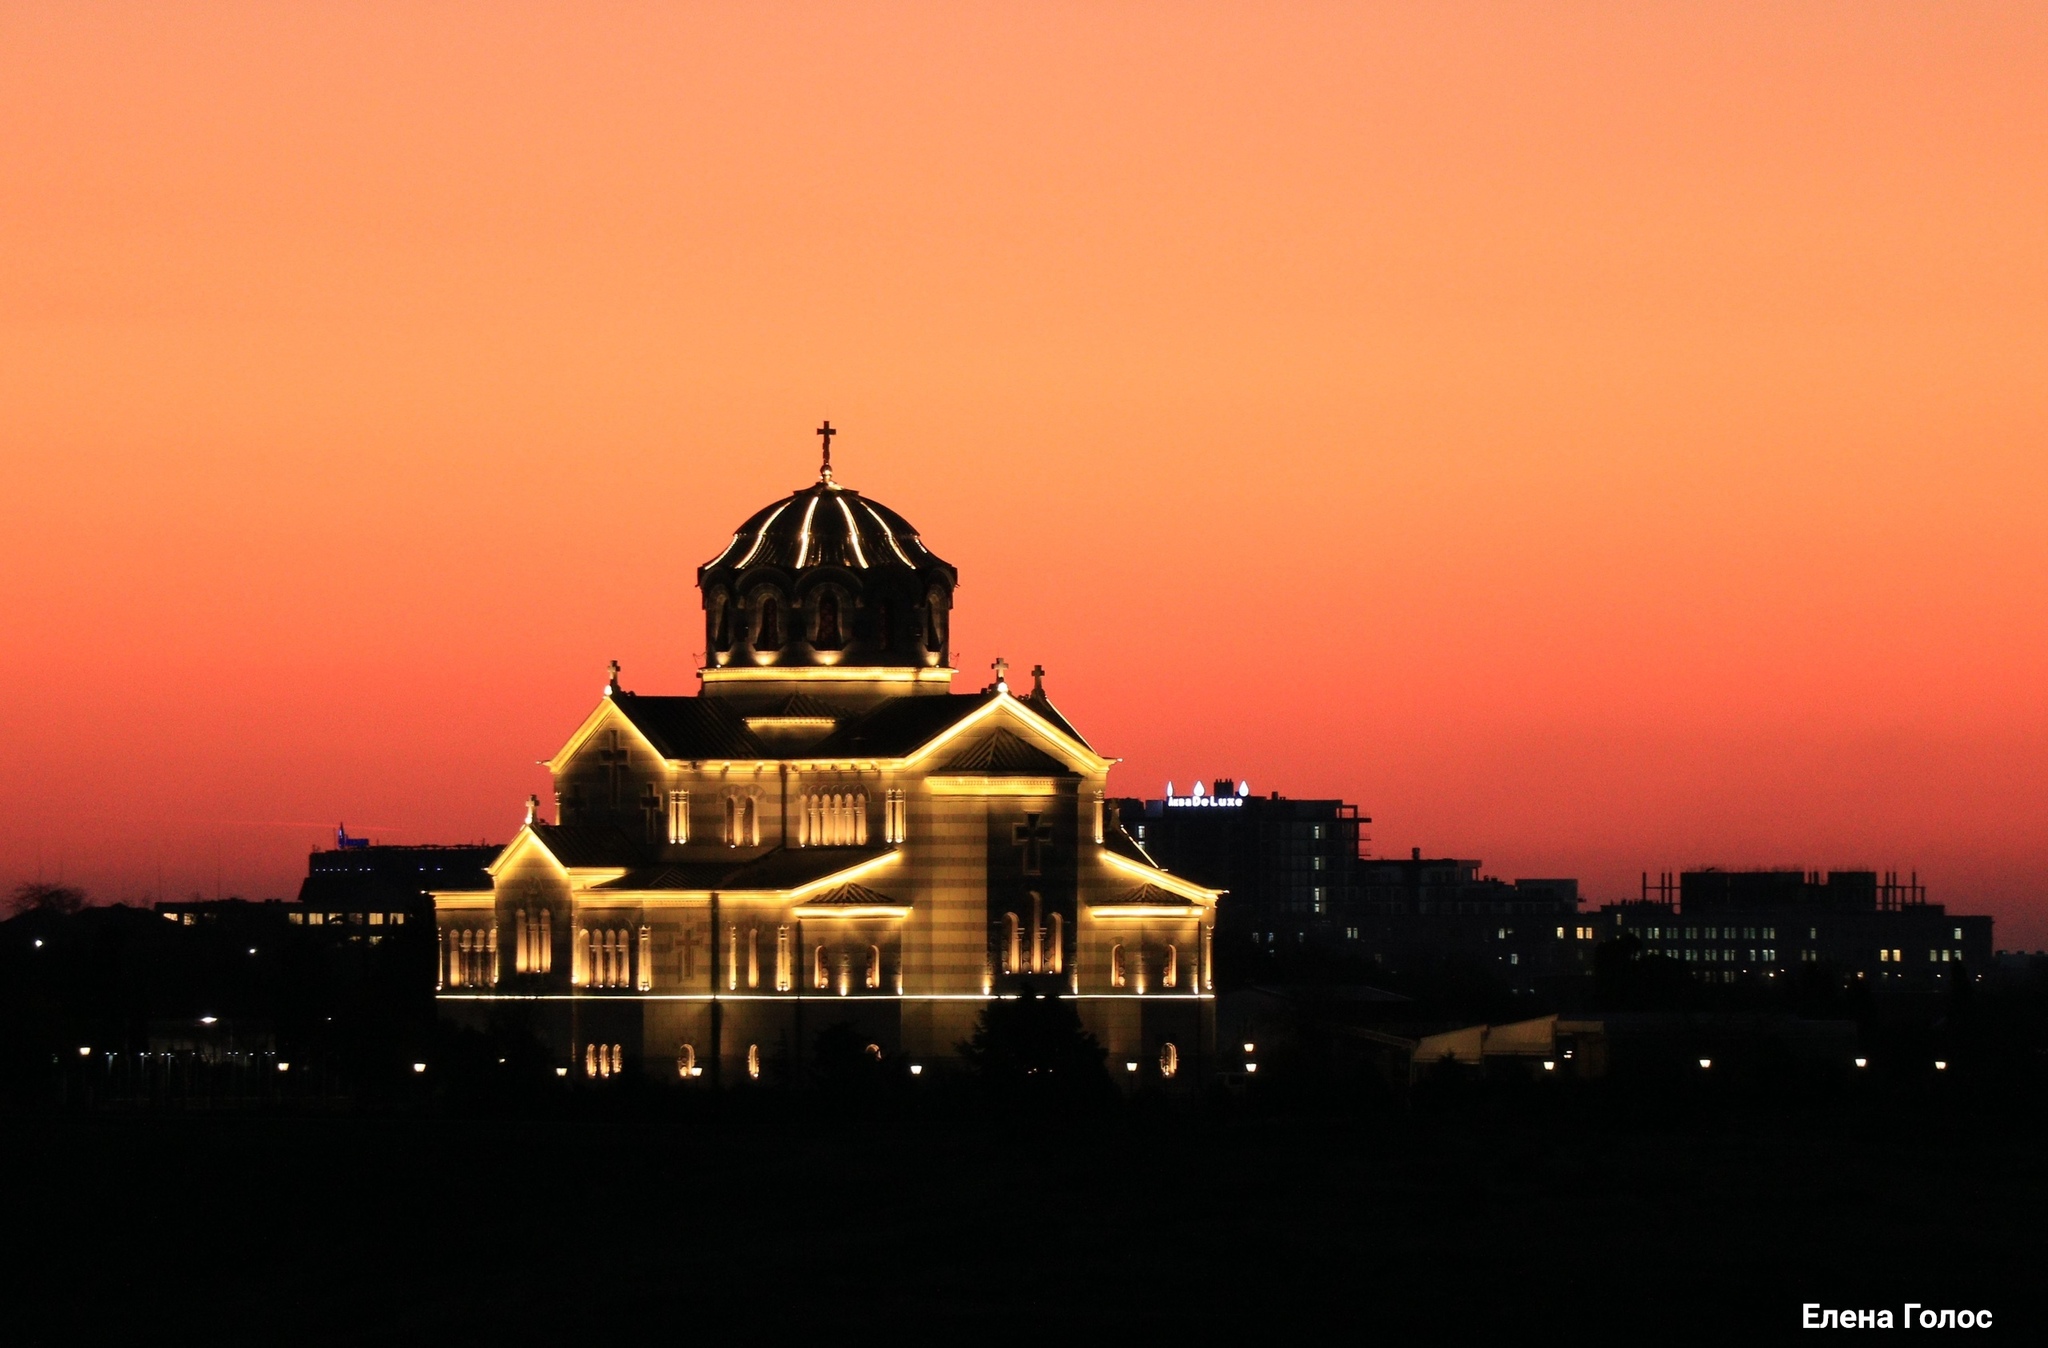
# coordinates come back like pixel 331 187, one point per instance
pixel 805 1219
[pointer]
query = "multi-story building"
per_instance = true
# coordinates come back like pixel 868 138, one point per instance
pixel 1723 926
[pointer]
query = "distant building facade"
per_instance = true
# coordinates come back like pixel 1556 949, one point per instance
pixel 1724 926
pixel 1295 875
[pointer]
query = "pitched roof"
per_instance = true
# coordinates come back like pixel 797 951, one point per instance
pixel 898 726
pixel 1003 752
pixel 779 869
pixel 590 844
pixel 689 727
pixel 801 705
pixel 1042 704
pixel 1118 840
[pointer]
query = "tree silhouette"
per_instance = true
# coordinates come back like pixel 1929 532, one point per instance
pixel 1036 1042
pixel 36 897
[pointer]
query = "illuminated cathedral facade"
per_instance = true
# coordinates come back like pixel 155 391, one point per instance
pixel 827 834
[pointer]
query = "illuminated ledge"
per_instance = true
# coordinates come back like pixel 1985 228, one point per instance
pixel 771 723
pixel 1136 910
pixel 963 785
pixel 792 998
pixel 823 674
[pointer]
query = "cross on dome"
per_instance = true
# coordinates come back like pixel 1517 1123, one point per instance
pixel 825 469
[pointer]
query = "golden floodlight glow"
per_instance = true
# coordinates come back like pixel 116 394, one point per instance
pixel 852 532
pixel 762 537
pixel 889 534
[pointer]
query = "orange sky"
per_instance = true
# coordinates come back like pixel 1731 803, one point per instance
pixel 1594 438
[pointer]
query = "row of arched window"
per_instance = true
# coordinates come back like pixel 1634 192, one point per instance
pixel 601 1060
pixel 469 956
pixel 742 821
pixel 605 958
pixel 534 941
pixel 1039 949
pixel 832 819
pixel 834 968
pixel 1129 968
pixel 768 622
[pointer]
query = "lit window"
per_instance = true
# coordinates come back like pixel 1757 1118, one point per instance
pixel 1116 966
pixel 1171 975
pixel 1169 1059
pixel 376 919
pixel 397 919
pixel 874 978
pixel 678 816
pixel 297 918
pixel 753 1062
pixel 686 1061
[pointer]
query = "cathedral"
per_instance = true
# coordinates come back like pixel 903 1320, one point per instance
pixel 827 835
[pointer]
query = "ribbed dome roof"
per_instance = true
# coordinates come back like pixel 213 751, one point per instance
pixel 826 524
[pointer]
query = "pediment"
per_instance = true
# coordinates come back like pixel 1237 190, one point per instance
pixel 1002 753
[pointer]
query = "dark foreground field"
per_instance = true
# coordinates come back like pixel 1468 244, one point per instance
pixel 804 1221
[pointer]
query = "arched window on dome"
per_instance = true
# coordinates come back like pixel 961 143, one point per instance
pixel 829 637
pixel 721 621
pixel 770 636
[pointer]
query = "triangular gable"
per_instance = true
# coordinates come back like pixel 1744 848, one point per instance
pixel 1004 752
pixel 1184 891
pixel 523 842
pixel 605 715
pixel 1008 713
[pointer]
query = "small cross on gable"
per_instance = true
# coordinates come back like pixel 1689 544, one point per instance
pixel 1002 669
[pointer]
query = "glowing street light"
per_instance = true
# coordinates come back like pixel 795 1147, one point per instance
pixel 917 1069
pixel 1706 1063
pixel 1863 1062
pixel 419 1067
pixel 1940 1065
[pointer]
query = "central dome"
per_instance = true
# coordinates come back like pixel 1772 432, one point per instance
pixel 826 579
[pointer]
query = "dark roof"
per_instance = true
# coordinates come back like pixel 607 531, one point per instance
pixel 855 896
pixel 897 727
pixel 1116 839
pixel 826 524
pixel 1042 704
pixel 780 868
pixel 1003 752
pixel 689 727
pixel 802 704
pixel 590 844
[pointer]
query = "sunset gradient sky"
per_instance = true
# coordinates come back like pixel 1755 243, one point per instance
pixel 1595 438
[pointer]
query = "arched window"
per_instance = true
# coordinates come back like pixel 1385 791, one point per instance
pixel 1169 1059
pixel 721 622
pixel 1169 975
pixel 547 942
pixel 1116 966
pixel 646 980
pixel 519 949
pixel 590 1061
pixel 785 964
pixel 771 626
pixel 750 822
pixel 732 829
pixel 618 1059
pixel 874 1051
pixel 686 1061
pixel 1012 942
pixel 860 819
pixel 753 1062
pixel 874 966
pixel 753 957
pixel 1056 942
pixel 579 969
pixel 828 623
pixel 820 978
pixel 732 958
